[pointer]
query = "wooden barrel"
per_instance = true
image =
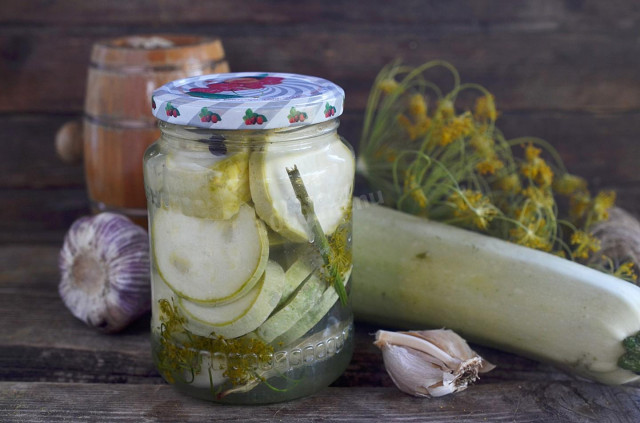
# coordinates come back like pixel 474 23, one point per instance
pixel 118 125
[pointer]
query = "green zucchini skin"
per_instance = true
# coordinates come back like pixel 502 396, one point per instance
pixel 412 273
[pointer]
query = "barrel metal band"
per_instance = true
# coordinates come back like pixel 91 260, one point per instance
pixel 137 69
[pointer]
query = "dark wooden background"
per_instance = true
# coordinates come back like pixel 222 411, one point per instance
pixel 564 70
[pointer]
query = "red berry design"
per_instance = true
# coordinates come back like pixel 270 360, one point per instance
pixel 251 118
pixel 329 110
pixel 208 116
pixel 171 111
pixel 296 116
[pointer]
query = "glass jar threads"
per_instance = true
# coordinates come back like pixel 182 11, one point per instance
pixel 249 196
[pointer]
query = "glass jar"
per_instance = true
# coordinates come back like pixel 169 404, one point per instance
pixel 249 196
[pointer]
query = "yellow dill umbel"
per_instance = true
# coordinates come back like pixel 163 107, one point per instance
pixel 432 158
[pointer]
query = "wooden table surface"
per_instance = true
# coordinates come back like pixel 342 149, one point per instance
pixel 565 71
pixel 53 369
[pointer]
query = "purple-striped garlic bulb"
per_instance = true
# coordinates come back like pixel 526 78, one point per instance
pixel 104 266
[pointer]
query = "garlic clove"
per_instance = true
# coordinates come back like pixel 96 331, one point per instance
pixel 104 267
pixel 430 363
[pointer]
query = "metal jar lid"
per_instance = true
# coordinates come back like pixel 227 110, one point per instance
pixel 248 100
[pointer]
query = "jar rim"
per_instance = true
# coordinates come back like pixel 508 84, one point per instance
pixel 299 134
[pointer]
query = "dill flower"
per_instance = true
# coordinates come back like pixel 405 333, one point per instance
pixel 446 109
pixel 422 126
pixel 603 201
pixel 568 184
pixel 584 244
pixel 474 206
pixel 489 166
pixel 388 85
pixel 531 235
pixel 414 190
pixel 539 196
pixel 531 153
pixel 509 183
pixel 626 271
pixel 484 145
pixel 460 126
pixel 535 168
pixel 485 108
pixel 418 106
pixel 579 204
pixel 406 124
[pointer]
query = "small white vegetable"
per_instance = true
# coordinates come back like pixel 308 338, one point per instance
pixel 207 186
pixel 304 299
pixel 104 267
pixel 241 316
pixel 411 272
pixel 312 316
pixel 430 363
pixel 328 177
pixel 210 261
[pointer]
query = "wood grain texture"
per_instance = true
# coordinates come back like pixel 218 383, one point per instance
pixel 533 55
pixel 41 341
pixel 565 71
pixel 557 71
pixel 511 402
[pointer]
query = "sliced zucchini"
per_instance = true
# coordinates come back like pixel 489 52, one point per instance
pixel 241 316
pixel 295 276
pixel 209 261
pixel 327 172
pixel 208 187
pixel 309 319
pixel 291 311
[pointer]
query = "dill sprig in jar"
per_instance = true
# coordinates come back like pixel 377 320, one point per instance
pixel 249 194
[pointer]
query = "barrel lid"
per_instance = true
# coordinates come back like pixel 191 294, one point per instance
pixel 248 100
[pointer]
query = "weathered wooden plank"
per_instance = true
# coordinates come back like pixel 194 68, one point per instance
pixel 599 146
pixel 29 159
pixel 456 14
pixel 41 340
pixel 522 402
pixel 41 215
pixel 556 70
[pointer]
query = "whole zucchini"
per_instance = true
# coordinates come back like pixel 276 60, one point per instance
pixel 413 273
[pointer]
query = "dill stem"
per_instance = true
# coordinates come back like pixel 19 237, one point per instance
pixel 319 238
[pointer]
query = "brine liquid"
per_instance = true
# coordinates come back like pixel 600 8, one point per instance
pixel 287 373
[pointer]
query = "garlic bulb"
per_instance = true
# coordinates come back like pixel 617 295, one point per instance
pixel 430 363
pixel 104 266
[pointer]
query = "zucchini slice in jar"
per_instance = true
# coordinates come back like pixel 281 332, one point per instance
pixel 209 261
pixel 328 173
pixel 312 316
pixel 304 299
pixel 295 276
pixel 241 316
pixel 207 186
